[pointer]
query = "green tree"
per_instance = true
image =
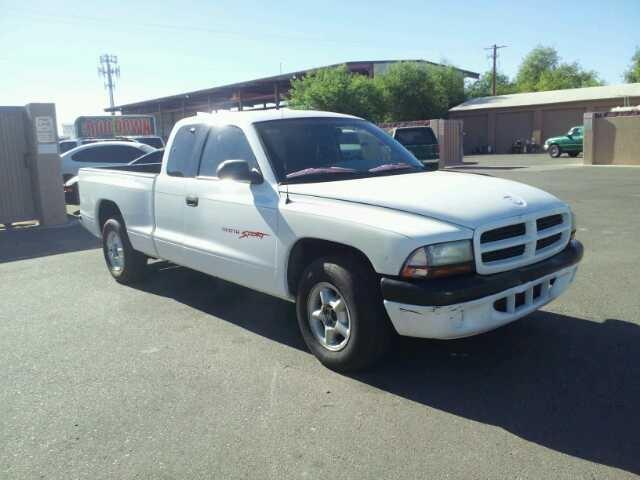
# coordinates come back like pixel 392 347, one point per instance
pixel 541 70
pixel 451 81
pixel 632 75
pixel 483 86
pixel 413 91
pixel 338 90
pixel 539 60
pixel 568 75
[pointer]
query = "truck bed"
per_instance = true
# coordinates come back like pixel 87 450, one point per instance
pixel 131 188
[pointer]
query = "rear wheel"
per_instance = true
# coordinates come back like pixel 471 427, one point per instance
pixel 341 315
pixel 125 264
pixel 554 151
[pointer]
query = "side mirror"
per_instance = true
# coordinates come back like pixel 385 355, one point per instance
pixel 239 170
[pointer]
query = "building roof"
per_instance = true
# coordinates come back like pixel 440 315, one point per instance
pixel 262 87
pixel 606 92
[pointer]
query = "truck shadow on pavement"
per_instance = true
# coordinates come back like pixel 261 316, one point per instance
pixel 565 383
pixel 25 243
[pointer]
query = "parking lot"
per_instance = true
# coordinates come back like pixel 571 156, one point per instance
pixel 185 376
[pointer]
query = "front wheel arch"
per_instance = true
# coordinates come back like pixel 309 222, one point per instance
pixel 555 150
pixel 306 250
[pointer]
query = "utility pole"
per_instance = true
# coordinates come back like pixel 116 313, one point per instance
pixel 109 69
pixel 494 48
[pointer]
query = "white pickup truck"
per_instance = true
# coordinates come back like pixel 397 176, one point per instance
pixel 330 212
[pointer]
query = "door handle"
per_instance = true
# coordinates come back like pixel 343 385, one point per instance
pixel 191 201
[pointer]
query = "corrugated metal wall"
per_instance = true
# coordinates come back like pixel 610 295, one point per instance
pixel 16 190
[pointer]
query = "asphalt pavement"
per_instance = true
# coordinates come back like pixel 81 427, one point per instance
pixel 188 377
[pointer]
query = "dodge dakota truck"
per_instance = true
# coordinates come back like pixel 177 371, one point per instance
pixel 330 212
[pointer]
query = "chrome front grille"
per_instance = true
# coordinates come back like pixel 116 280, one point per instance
pixel 520 241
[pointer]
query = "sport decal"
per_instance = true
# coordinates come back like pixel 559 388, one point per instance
pixel 245 233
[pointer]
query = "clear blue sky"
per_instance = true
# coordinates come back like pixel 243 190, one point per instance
pixel 50 49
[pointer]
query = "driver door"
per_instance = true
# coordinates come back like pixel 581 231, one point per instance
pixel 230 227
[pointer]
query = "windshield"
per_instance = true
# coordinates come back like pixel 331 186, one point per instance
pixel 321 149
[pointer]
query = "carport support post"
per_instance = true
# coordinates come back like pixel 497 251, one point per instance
pixel 537 127
pixel 45 165
pixel 276 95
pixel 491 131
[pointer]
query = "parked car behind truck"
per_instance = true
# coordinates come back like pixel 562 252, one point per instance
pixel 421 141
pixel 328 211
pixel 72 191
pixel 101 154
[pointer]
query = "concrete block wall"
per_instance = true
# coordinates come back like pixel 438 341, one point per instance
pixel 612 138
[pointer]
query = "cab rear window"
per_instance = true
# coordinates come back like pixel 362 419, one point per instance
pixel 416 136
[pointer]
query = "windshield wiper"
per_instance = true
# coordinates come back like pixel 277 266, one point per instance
pixel 319 171
pixel 390 166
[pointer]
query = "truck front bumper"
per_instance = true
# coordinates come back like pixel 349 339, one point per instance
pixel 468 305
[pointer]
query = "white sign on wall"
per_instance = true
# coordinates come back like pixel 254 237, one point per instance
pixel 45 130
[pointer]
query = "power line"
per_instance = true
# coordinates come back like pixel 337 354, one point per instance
pixel 494 55
pixel 108 69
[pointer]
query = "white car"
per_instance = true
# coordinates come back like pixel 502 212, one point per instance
pixel 101 154
pixel 330 212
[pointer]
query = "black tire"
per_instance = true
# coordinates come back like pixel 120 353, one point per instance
pixel 134 263
pixel 370 329
pixel 555 151
pixel 574 154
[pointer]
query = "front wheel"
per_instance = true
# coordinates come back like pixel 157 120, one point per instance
pixel 125 264
pixel 341 315
pixel 554 151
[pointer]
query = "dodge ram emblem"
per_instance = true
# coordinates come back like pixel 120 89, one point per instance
pixel 517 201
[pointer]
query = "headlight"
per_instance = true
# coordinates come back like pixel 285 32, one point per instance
pixel 439 260
pixel 573 225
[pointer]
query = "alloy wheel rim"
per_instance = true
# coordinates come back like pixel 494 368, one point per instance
pixel 328 316
pixel 115 252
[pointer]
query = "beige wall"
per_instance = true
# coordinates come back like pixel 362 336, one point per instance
pixel 30 178
pixel 449 135
pixel 612 140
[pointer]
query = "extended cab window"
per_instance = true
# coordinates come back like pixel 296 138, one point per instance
pixel 225 143
pixel 180 163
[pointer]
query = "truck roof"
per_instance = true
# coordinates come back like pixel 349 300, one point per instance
pixel 248 117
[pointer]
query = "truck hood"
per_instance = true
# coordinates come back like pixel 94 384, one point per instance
pixel 561 138
pixel 467 200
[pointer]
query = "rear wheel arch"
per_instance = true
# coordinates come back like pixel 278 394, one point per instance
pixel 306 250
pixel 107 209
